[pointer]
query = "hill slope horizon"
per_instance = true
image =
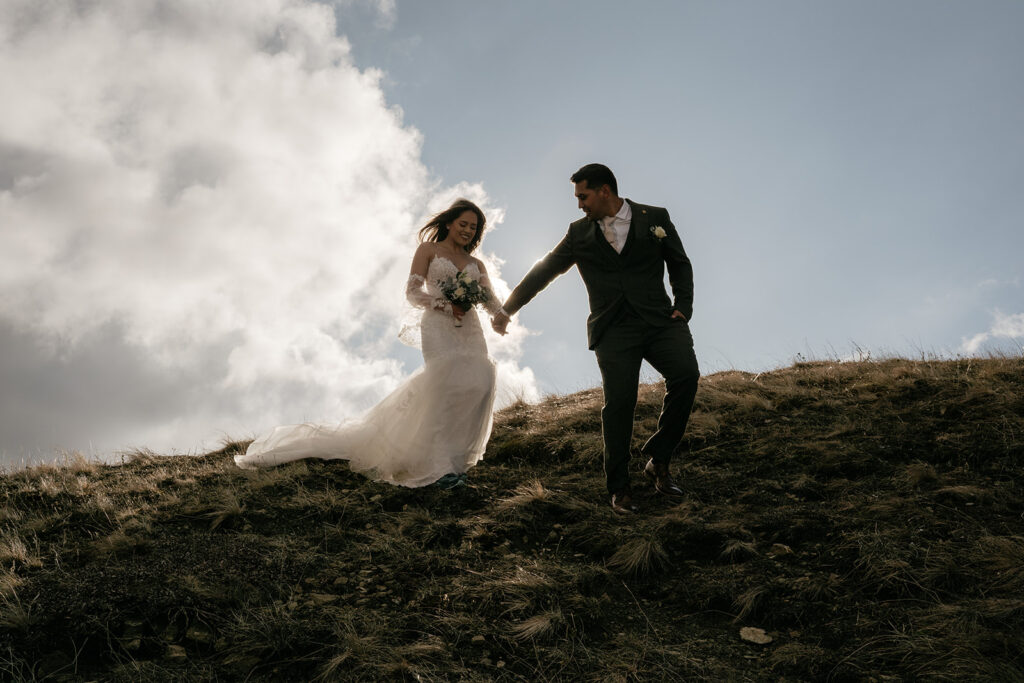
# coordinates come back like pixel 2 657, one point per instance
pixel 842 521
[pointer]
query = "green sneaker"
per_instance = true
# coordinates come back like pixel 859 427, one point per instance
pixel 450 481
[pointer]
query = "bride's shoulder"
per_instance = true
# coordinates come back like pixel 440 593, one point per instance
pixel 423 257
pixel 426 249
pixel 426 252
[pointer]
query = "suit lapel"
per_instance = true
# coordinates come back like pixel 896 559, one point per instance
pixel 602 242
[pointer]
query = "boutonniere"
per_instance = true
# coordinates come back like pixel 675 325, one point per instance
pixel 658 232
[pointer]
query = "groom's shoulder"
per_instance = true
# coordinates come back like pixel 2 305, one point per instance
pixel 647 208
pixel 580 224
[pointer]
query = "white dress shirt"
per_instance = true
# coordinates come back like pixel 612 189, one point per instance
pixel 616 228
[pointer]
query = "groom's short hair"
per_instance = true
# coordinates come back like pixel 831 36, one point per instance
pixel 596 175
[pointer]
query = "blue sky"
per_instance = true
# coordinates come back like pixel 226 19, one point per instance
pixel 207 209
pixel 846 175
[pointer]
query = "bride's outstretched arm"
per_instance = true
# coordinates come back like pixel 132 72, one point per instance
pixel 499 318
pixel 415 293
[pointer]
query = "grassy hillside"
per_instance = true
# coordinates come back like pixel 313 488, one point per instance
pixel 868 517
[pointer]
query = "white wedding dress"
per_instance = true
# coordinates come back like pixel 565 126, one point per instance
pixel 436 423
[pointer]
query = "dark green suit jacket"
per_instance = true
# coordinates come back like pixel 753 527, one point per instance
pixel 634 277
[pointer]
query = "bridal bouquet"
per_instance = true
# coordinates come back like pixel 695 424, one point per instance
pixel 463 291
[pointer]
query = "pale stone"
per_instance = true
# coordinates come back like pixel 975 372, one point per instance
pixel 755 635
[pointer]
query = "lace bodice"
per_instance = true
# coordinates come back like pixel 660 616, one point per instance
pixel 440 270
pixel 438 335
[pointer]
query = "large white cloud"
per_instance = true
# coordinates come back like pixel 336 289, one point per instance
pixel 1004 327
pixel 210 185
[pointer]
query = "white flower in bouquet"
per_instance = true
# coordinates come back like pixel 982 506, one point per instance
pixel 463 290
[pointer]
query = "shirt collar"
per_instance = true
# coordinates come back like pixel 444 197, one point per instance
pixel 624 214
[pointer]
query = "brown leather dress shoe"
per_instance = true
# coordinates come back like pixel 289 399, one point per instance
pixel 663 482
pixel 622 503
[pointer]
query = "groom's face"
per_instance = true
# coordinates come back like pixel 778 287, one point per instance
pixel 596 203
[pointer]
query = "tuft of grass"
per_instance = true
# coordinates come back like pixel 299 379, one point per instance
pixel 225 510
pixel 419 525
pixel 14 550
pixel 356 650
pixel 800 659
pixel 639 556
pixel 524 495
pixel 48 486
pixel 737 550
pixel 76 463
pixel 100 507
pixel 265 631
pixel 129 539
pixel 142 456
pixel 1003 558
pixel 16 615
pixel 537 627
pixel 963 493
pixel 919 474
pixel 9 582
pixel 749 602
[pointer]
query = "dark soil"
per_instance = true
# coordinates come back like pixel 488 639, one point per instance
pixel 867 517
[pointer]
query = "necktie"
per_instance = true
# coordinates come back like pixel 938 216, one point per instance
pixel 607 226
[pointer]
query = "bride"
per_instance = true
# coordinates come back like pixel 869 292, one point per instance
pixel 435 426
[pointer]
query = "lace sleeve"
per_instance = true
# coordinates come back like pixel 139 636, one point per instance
pixel 493 304
pixel 420 298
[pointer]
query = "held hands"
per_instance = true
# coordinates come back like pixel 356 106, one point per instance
pixel 499 322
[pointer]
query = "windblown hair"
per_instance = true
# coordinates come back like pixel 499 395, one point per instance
pixel 596 175
pixel 436 229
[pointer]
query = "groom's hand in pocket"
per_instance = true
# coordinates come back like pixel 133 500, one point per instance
pixel 679 316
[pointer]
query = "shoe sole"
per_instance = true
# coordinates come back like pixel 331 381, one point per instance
pixel 654 480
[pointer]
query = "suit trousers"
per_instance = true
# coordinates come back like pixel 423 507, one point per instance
pixel 669 349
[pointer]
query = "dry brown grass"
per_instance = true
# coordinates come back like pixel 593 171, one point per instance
pixel 9 582
pixel 867 515
pixel 523 495
pixel 639 556
pixel 537 627
pixel 1003 556
pixel 15 551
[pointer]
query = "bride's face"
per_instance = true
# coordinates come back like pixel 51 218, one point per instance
pixel 462 230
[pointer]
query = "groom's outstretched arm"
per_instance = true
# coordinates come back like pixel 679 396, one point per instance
pixel 557 261
pixel 680 271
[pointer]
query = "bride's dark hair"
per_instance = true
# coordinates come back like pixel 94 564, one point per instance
pixel 436 229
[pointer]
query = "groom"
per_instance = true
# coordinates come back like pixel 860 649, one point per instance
pixel 622 249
